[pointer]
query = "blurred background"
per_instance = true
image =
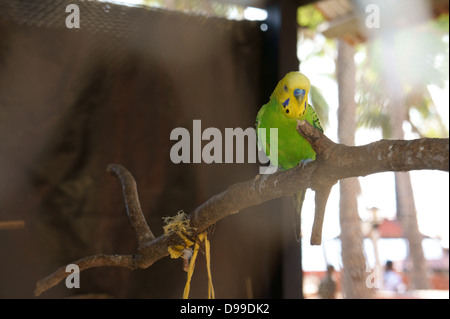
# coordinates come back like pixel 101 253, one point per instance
pixel 73 100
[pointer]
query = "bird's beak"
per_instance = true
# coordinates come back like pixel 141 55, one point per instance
pixel 299 94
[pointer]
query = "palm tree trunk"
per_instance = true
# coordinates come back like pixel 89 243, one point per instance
pixel 354 274
pixel 406 208
pixel 406 213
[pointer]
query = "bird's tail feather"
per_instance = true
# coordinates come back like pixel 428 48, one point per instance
pixel 298 203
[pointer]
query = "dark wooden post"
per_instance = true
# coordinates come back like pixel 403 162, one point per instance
pixel 280 57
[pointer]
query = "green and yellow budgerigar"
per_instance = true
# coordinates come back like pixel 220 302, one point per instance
pixel 289 103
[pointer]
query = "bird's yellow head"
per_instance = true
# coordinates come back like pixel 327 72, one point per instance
pixel 292 94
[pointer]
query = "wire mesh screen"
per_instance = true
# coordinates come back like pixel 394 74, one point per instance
pixel 117 20
pixel 74 100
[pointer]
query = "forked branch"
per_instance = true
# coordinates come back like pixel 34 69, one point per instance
pixel 333 162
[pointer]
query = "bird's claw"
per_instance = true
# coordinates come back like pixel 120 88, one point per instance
pixel 303 163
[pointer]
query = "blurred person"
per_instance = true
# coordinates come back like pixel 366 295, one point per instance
pixel 327 286
pixel 392 280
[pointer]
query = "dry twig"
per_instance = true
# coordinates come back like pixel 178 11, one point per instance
pixel 12 224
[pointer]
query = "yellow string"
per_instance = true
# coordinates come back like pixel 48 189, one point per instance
pixel 190 272
pixel 179 224
pixel 211 295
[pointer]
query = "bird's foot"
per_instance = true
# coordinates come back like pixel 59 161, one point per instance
pixel 303 163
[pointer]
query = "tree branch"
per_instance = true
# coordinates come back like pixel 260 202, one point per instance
pixel 137 220
pixel 350 161
pixel 319 214
pixel 126 261
pixel 333 162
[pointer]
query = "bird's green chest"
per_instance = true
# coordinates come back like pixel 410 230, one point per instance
pixel 292 147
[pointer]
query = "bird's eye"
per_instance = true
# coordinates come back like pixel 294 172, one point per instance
pixel 285 88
